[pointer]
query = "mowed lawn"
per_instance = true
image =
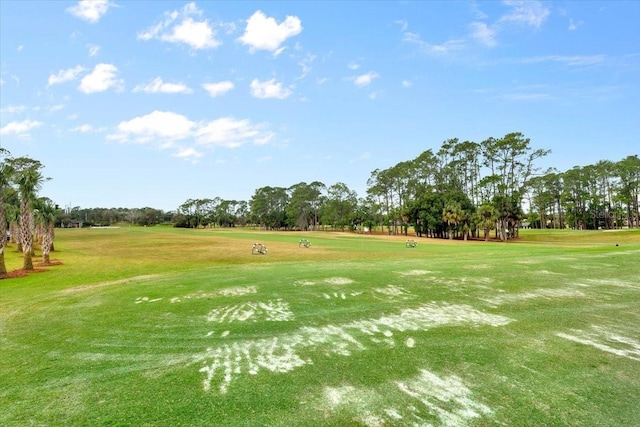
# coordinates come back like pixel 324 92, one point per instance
pixel 169 327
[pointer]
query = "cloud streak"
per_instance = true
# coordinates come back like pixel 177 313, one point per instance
pixel 158 86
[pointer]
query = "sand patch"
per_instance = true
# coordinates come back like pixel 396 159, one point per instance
pixel 360 401
pixel 225 292
pixel 146 299
pixel 341 295
pixel 445 397
pixel 615 283
pixel 548 272
pixel 528 261
pixel 461 281
pixel 424 400
pixel 394 292
pixel 478 267
pixel 426 317
pixel 238 290
pixel 235 359
pixel 329 281
pixel 539 293
pixel 229 362
pixel 605 340
pixel 304 283
pixel 338 281
pixel 126 281
pixel 271 311
pixel 415 273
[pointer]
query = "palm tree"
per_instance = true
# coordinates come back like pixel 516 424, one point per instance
pixel 5 174
pixel 28 180
pixel 487 217
pixel 45 217
pixel 452 215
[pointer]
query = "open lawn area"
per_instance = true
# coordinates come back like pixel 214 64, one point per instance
pixel 174 327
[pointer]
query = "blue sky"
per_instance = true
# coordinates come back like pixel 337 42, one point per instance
pixel 134 104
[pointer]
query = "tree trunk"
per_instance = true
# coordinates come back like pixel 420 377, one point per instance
pixel 28 260
pixel 47 243
pixel 3 267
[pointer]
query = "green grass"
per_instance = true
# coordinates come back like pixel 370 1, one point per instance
pixel 169 327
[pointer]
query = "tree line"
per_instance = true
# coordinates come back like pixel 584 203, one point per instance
pixel 464 189
pixel 24 216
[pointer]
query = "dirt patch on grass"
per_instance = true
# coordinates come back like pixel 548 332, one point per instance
pixel 14 274
pixel 51 263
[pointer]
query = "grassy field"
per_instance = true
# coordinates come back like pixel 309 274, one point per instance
pixel 169 327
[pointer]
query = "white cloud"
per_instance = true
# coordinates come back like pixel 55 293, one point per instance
pixel 13 109
pixel 218 88
pixel 574 60
pixel 365 79
pixel 573 25
pixel 269 89
pixel 264 138
pixel 403 23
pixel 484 34
pixel 353 65
pixel 306 65
pixel 407 83
pixel 86 128
pixel 90 10
pixel 171 130
pixel 56 107
pixel 476 10
pixel 103 77
pixel 198 34
pixel 160 125
pixel 19 128
pixel 65 75
pixel 526 12
pixel 228 27
pixel 362 157
pixel 264 33
pixel 188 153
pixel 528 97
pixel 158 86
pixel 20 48
pixel 447 47
pixel 93 49
pixel 230 133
